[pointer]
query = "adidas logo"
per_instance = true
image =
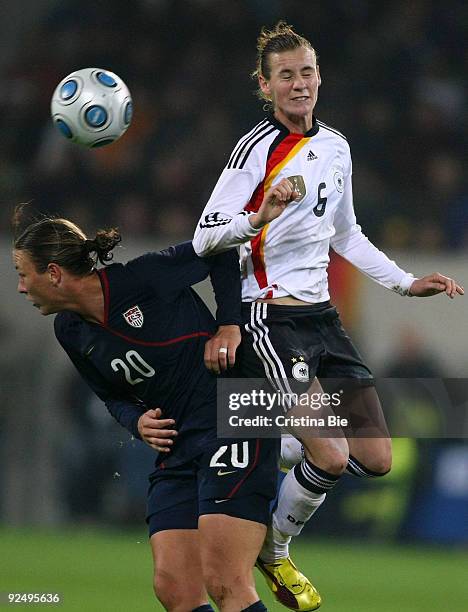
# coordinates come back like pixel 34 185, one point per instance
pixel 311 156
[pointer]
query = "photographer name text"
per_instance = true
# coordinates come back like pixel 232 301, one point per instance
pixel 287 421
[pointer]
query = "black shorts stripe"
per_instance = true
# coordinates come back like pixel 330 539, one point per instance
pixel 252 329
pixel 246 139
pixel 274 369
pixel 280 378
pixel 261 348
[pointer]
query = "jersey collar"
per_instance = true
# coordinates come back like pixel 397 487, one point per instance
pixel 313 130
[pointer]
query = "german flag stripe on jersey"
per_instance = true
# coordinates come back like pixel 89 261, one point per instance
pixel 285 150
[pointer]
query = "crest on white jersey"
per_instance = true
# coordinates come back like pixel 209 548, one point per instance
pixel 300 369
pixel 299 186
pixel 134 316
pixel 338 179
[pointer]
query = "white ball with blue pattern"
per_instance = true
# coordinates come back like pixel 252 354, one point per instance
pixel 92 107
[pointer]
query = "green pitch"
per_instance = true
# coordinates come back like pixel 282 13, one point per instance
pixel 98 571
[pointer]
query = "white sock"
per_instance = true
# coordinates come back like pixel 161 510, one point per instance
pixel 295 507
pixel 275 546
pixel 292 452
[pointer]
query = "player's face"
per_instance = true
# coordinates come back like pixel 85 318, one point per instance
pixel 293 86
pixel 38 288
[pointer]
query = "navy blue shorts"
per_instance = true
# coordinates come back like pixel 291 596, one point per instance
pixel 233 477
pixel 299 343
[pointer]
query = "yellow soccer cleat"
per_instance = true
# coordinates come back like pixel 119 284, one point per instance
pixel 291 588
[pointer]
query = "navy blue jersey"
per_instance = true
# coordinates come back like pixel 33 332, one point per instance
pixel 148 352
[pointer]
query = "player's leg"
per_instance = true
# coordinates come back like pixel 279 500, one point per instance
pixel 322 461
pixel 175 543
pixel 285 343
pixel 305 486
pixel 237 482
pixel 178 577
pixel 229 549
pixel 280 343
pixel 370 451
pixel 369 456
pixel 292 452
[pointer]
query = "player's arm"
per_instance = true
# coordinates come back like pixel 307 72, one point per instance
pixel 156 431
pixel 220 351
pixel 224 273
pixel 143 424
pixel 178 267
pixel 224 223
pixel 170 271
pixel 274 202
pixel 175 269
pixel 355 247
pixel 125 411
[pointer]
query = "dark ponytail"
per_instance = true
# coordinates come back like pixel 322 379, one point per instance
pixel 103 244
pixel 54 240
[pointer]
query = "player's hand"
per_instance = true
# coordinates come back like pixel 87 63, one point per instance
pixel 220 350
pixel 274 203
pixel 434 284
pixel 156 431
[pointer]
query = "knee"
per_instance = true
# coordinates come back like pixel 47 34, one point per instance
pixel 336 462
pixel 175 595
pixel 292 452
pixel 218 589
pixel 223 587
pixel 165 589
pixel 218 584
pixel 380 465
pixel 381 461
pixel 333 461
pixel 377 463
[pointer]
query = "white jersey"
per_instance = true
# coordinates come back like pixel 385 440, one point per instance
pixel 290 255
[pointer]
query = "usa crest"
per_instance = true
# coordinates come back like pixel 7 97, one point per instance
pixel 134 316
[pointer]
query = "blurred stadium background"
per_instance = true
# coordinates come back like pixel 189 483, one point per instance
pixel 72 483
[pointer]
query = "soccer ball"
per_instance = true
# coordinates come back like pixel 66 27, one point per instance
pixel 92 107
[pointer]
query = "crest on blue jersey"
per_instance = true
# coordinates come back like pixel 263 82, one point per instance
pixel 134 316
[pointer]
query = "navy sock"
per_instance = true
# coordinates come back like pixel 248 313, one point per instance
pixel 203 608
pixel 258 606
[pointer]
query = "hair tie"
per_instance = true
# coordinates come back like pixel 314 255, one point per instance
pixel 89 245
